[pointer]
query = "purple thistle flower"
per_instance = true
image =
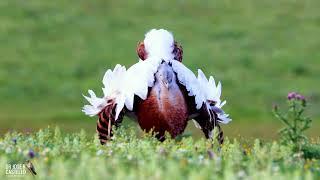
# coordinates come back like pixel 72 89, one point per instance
pixel 291 95
pixel 31 153
pixel 300 97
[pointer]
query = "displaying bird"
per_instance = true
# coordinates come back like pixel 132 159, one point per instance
pixel 159 91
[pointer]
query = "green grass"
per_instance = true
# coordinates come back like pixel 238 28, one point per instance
pixel 80 156
pixel 52 52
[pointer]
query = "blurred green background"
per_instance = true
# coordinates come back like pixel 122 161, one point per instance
pixel 51 52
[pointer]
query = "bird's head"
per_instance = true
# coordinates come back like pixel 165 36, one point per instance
pixel 159 43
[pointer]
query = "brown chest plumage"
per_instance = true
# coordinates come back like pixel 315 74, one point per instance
pixel 165 108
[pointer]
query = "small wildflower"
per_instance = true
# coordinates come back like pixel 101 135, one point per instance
pixel 182 151
pixel 121 145
pixel 210 154
pixel 14 140
pixel 292 95
pixel 200 157
pixel 110 153
pixel 99 152
pixel 31 154
pixel 275 168
pixel 46 150
pixel 162 151
pixel 296 96
pixel 8 150
pixel 298 155
pixel 241 174
pixel 218 160
pixel 300 97
pixel 294 120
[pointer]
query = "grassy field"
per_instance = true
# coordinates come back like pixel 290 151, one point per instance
pixel 56 155
pixel 52 52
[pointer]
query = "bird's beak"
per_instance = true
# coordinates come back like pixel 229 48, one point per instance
pixel 166 84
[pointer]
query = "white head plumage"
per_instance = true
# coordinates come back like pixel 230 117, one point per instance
pixel 159 43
